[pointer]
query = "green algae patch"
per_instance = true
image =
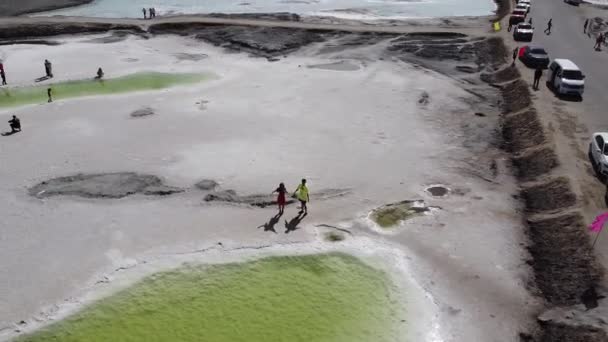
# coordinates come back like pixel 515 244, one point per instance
pixel 18 96
pixel 393 214
pixel 323 297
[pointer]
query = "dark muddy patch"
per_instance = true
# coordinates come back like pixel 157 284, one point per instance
pixel 521 131
pixel 30 42
pixel 336 66
pixel 265 200
pixel 438 190
pixel 391 215
pixel 553 332
pixel 207 185
pixel 563 260
pixel 103 185
pixel 269 42
pixel 549 196
pixel 534 163
pixel 193 57
pixel 47 29
pixel 143 112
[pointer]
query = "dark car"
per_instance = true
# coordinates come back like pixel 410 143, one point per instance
pixel 534 57
pixel 517 16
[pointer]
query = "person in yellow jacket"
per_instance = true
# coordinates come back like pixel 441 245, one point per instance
pixel 301 194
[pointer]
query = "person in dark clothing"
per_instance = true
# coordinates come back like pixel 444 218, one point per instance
pixel 2 74
pixel 515 51
pixel 549 25
pixel 15 124
pixel 585 26
pixel 598 42
pixel 49 92
pixel 530 21
pixel 144 11
pixel 150 14
pixel 510 26
pixel 99 74
pixel 48 67
pixel 538 73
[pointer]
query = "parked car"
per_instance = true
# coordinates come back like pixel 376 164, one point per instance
pixel 517 16
pixel 534 57
pixel 566 78
pixel 523 6
pixel 573 2
pixel 523 32
pixel 598 152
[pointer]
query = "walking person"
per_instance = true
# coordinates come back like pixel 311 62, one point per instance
pixel 530 20
pixel 281 191
pixel 49 93
pixel 301 194
pixel 515 51
pixel 48 67
pixel 598 42
pixel 150 14
pixel 538 73
pixel 585 26
pixel 549 25
pixel 144 11
pixel 153 12
pixel 2 74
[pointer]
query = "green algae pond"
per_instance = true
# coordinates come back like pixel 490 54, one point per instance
pixel 18 96
pixel 322 297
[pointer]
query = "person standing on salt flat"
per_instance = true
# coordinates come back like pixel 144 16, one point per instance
pixel 302 194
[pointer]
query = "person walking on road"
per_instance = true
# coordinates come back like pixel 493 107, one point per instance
pixel 538 73
pixel 515 51
pixel 598 42
pixel 281 191
pixel 585 26
pixel 302 194
pixel 549 25
pixel 49 93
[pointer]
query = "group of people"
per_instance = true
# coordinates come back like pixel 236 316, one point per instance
pixel 301 194
pixel 150 13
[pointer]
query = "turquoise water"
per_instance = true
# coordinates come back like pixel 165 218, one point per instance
pixel 339 8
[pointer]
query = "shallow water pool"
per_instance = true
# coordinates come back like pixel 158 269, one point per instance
pixel 325 297
pixel 10 97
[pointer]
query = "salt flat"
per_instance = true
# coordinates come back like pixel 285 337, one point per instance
pixel 379 132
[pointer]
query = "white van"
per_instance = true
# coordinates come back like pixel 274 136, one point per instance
pixel 566 78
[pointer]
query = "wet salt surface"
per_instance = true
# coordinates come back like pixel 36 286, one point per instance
pixel 361 130
pixel 380 9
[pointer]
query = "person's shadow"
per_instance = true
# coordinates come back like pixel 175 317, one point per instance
pixel 9 133
pixel 269 226
pixel 43 78
pixel 293 224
